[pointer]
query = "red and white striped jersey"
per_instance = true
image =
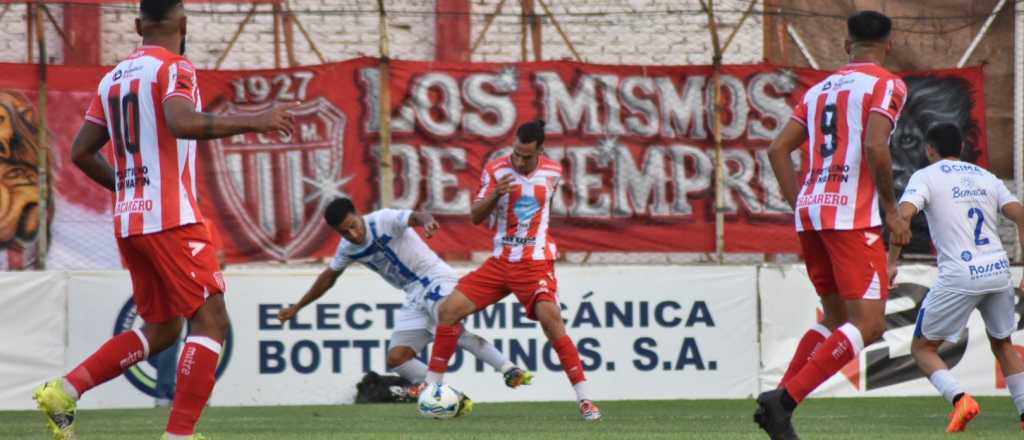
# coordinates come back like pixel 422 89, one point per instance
pixel 155 173
pixel 839 191
pixel 521 218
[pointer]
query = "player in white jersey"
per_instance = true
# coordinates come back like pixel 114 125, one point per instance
pixel 384 241
pixel 962 202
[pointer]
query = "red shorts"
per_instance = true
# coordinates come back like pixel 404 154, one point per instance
pixel 173 271
pixel 530 281
pixel 850 263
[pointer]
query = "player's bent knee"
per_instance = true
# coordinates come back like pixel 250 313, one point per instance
pixel 399 355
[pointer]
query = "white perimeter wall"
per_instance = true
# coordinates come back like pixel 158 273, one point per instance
pixel 644 332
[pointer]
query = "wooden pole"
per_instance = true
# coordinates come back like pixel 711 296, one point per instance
pixel 534 22
pixel 234 38
pixel 289 38
pixel 558 28
pixel 487 26
pixel 277 36
pixel 716 84
pixel 387 190
pixel 522 30
pixel 42 240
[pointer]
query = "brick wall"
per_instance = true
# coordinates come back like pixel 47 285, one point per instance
pixel 621 32
pixel 13 32
pixel 603 31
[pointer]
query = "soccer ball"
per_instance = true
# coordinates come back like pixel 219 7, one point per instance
pixel 439 401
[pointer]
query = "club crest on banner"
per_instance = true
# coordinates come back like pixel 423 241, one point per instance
pixel 276 184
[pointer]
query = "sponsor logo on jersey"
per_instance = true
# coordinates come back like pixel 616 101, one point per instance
pixel 143 375
pixel 303 169
pixel 525 208
pixel 959 193
pixel 133 206
pixel 966 256
pixel 960 168
pixel 825 199
pixel 997 268
pixel 513 241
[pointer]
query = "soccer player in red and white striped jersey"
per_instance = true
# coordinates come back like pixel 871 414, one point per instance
pixel 149 108
pixel 844 124
pixel 515 193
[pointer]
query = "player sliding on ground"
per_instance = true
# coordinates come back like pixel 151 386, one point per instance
pixel 149 106
pixel 515 193
pixel 845 121
pixel 962 203
pixel 385 242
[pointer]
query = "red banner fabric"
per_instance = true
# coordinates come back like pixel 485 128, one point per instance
pixel 634 141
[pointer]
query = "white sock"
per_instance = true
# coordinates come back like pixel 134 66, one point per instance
pixel 1015 383
pixel 435 377
pixel 413 370
pixel 484 351
pixel 178 437
pixel 70 389
pixel 947 385
pixel 582 391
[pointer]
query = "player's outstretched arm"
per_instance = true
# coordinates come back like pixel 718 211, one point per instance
pixel 85 153
pixel 426 220
pixel 186 123
pixel 483 208
pixel 323 283
pixel 876 148
pixel 907 210
pixel 779 154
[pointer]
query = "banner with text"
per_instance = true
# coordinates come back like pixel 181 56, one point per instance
pixel 789 307
pixel 637 329
pixel 634 141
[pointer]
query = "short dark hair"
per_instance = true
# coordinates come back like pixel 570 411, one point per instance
pixel 338 210
pixel 868 26
pixel 157 10
pixel 532 131
pixel 945 137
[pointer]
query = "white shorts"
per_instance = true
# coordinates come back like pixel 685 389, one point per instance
pixel 944 314
pixel 416 320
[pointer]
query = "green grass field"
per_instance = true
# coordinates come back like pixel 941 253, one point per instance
pixel 877 418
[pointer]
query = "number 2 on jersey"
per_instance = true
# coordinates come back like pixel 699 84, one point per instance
pixel 828 130
pixel 124 113
pixel 978 239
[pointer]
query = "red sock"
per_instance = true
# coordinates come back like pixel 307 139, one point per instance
pixel 446 341
pixel 109 361
pixel 570 359
pixel 805 349
pixel 839 349
pixel 197 371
